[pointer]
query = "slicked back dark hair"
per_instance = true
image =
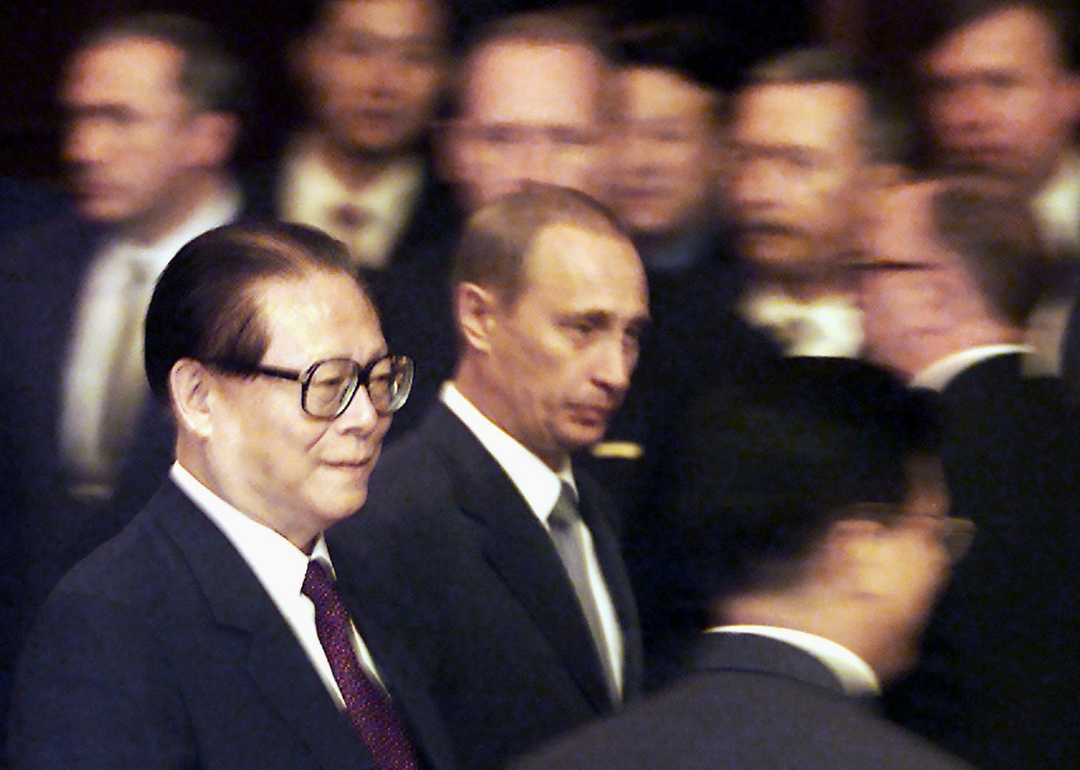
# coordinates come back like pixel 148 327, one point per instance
pixel 697 49
pixel 211 77
pixel 205 306
pixel 769 467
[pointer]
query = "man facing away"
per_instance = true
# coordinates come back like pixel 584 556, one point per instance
pixel 209 633
pixel 1001 98
pixel 951 272
pixel 813 541
pixel 495 555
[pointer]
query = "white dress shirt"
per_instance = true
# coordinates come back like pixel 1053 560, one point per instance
pixel 830 326
pixel 854 673
pixel 1057 206
pixel 940 373
pixel 101 313
pixel 310 193
pixel 280 567
pixel 540 487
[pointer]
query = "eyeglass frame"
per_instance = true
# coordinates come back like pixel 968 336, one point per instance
pixel 956 536
pixel 362 375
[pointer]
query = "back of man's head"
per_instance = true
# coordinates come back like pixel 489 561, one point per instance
pixel 768 469
pixel 995 236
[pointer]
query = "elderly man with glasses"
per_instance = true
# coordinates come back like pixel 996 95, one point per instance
pixel 210 632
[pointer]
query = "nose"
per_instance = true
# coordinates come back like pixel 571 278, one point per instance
pixel 84 141
pixel 967 107
pixel 360 416
pixel 533 161
pixel 615 363
pixel 755 184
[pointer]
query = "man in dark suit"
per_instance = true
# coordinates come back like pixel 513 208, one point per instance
pixel 813 543
pixel 516 605
pixel 210 633
pixel 951 274
pixel 373 74
pixel 152 105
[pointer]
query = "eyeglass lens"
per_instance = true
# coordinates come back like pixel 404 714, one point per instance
pixel 331 385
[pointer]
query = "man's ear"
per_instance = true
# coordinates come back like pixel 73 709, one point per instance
pixel 475 309
pixel 190 387
pixel 216 135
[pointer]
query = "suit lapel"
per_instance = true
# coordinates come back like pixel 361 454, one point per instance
pixel 398 674
pixel 520 551
pixel 275 659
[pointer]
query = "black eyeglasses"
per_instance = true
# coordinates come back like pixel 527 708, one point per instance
pixel 891 266
pixel 328 387
pixel 956 534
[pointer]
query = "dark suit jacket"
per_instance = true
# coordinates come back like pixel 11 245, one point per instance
pixel 412 292
pixel 997 679
pixel 162 650
pixel 473 581
pixel 749 702
pixel 42 269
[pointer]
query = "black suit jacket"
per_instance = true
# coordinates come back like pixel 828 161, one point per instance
pixel 42 270
pixel 997 680
pixel 473 582
pixel 748 703
pixel 412 292
pixel 162 650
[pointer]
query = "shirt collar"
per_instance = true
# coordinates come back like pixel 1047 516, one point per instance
pixel 312 188
pixel 854 673
pixel 536 482
pixel 1057 205
pixel 220 208
pixel 278 564
pixel 939 374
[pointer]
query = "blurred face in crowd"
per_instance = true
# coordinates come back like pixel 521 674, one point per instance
pixel 374 71
pixel 665 158
pixel 563 350
pixel 798 166
pixel 999 98
pixel 132 140
pixel 529 113
pixel 904 290
pixel 297 473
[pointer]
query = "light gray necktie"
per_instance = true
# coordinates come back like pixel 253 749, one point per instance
pixel 126 391
pixel 566 525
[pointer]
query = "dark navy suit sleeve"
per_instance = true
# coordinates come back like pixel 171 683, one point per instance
pixel 94 691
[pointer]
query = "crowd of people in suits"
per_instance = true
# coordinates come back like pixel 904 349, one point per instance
pixel 696 378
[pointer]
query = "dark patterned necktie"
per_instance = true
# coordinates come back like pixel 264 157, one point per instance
pixel 366 705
